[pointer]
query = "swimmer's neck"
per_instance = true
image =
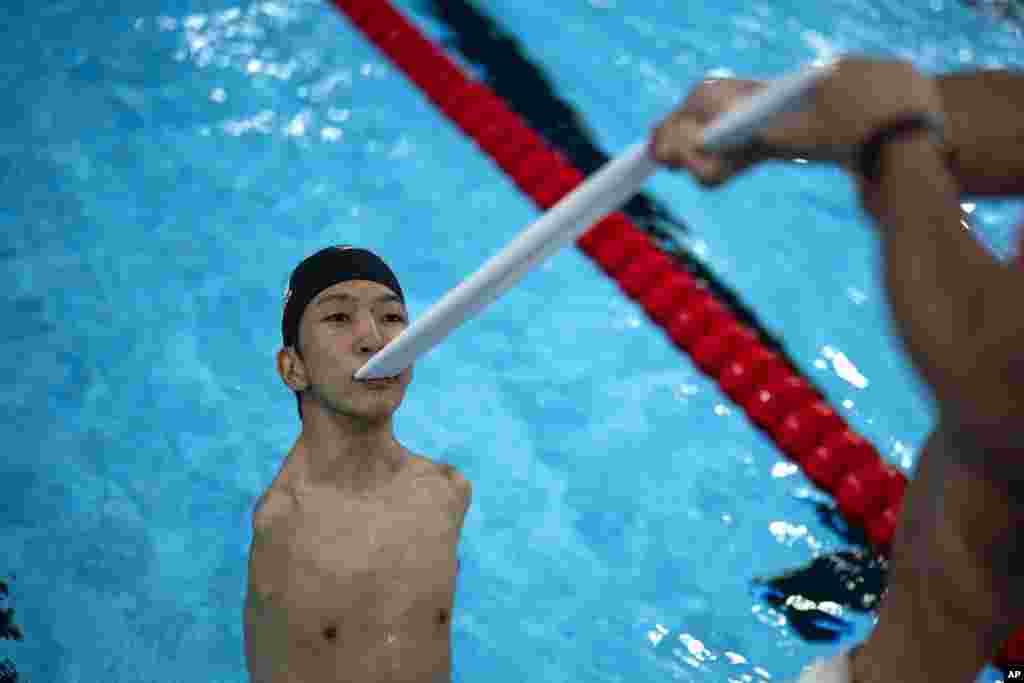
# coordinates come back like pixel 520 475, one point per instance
pixel 357 461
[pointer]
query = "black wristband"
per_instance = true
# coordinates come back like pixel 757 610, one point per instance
pixel 868 156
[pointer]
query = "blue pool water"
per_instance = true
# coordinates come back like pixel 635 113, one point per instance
pixel 165 167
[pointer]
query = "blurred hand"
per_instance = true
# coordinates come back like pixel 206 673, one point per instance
pixel 857 97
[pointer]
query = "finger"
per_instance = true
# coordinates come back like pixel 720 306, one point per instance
pixel 663 146
pixel 677 145
pixel 711 172
pixel 675 141
pixel 708 171
pixel 714 170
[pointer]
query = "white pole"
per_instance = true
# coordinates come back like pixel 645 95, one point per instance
pixel 599 195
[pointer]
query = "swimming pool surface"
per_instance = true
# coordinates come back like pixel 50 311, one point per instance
pixel 165 168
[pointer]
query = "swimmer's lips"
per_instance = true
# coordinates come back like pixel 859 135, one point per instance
pixel 377 382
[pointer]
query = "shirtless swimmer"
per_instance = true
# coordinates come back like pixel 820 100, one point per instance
pixel 352 566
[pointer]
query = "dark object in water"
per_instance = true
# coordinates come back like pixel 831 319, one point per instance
pixel 810 597
pixel 813 597
pixel 8 674
pixel 8 631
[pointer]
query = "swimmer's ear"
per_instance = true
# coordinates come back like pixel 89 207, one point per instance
pixel 291 369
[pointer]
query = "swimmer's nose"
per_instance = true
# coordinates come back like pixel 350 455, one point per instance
pixel 370 340
pixel 370 349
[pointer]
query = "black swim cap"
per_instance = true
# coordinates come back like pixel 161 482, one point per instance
pixel 323 269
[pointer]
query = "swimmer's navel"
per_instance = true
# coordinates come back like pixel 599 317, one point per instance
pixel 442 617
pixel 331 633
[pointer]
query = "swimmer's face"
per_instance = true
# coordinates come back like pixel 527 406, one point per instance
pixel 341 328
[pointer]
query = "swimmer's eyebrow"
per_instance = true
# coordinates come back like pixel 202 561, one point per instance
pixel 384 298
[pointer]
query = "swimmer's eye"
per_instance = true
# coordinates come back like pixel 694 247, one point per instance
pixel 394 316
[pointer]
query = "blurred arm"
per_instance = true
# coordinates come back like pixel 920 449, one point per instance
pixel 986 129
pixel 957 307
pixel 954 574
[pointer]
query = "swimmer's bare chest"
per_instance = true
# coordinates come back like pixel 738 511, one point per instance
pixel 361 590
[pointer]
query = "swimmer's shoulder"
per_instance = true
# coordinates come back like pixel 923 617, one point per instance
pixel 275 504
pixel 461 486
pixel 279 500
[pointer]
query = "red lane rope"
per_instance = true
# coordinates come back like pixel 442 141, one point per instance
pixel 869 491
